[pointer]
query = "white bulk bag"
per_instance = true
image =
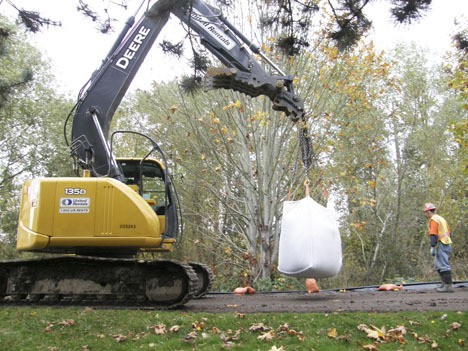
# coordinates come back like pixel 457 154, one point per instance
pixel 310 243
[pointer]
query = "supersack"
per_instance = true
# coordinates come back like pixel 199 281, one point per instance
pixel 310 242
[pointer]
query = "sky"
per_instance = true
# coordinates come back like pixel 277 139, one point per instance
pixel 76 48
pixel 432 32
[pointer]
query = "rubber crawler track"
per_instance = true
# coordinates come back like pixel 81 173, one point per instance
pixel 83 280
pixel 205 279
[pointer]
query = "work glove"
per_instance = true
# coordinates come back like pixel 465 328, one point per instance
pixel 433 251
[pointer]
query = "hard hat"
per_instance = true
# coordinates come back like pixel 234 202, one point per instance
pixel 428 207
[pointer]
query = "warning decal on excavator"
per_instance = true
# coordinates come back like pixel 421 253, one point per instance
pixel 74 205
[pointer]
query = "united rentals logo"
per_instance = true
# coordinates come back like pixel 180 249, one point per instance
pixel 213 30
pixel 74 205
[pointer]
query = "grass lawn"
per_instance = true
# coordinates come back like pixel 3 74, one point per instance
pixel 83 329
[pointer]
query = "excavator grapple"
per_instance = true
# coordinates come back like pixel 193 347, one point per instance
pixel 251 85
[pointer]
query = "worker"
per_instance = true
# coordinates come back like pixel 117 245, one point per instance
pixel 441 246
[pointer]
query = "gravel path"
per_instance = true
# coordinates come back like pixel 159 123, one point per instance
pixel 412 298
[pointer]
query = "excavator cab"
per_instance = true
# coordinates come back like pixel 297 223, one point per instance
pixel 148 178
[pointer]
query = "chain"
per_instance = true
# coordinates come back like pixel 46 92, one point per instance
pixel 308 155
pixel 305 145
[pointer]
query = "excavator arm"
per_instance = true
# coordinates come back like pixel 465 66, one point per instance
pixel 242 72
pixel 99 99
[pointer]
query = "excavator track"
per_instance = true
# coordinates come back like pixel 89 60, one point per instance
pixel 76 280
pixel 204 279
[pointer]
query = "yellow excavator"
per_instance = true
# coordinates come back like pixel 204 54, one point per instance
pixel 93 226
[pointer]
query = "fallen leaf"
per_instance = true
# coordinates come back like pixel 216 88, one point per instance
pixel 374 333
pixel 274 348
pixel 455 326
pixel 191 336
pixel 268 336
pixel 49 327
pixel 67 322
pixel 259 327
pixel 396 334
pixel 215 330
pixel 434 345
pixel 88 310
pixel 228 345
pixel 461 342
pixel 159 329
pixel 346 338
pixel 119 337
pixel 400 330
pixel 370 347
pixel 331 333
pixel 174 329
pixel 422 339
pixel 228 336
pixel 138 336
pixel 362 327
pixel 198 325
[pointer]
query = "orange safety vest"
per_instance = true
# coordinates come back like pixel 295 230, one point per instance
pixel 443 231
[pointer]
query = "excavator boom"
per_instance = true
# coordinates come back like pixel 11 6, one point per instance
pixel 98 102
